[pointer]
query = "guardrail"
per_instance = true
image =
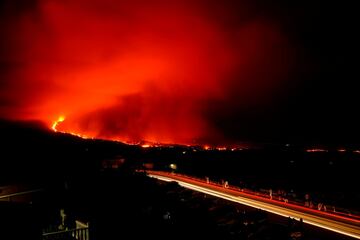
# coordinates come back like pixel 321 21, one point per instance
pixel 72 234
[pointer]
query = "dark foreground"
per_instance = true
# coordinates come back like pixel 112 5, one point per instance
pixel 123 205
pixel 95 182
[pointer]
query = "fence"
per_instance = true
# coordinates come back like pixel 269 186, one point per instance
pixel 73 234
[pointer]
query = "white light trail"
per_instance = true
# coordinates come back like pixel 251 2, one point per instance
pixel 322 222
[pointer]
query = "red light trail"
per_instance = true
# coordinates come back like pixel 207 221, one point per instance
pixel 346 225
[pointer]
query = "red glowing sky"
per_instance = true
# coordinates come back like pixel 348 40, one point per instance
pixel 139 70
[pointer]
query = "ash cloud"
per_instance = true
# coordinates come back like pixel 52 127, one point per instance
pixel 167 71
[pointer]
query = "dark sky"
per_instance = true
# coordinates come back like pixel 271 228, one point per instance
pixel 183 71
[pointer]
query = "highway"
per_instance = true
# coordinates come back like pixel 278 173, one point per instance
pixel 16 193
pixel 341 224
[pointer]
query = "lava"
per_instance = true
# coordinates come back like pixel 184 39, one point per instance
pixel 56 123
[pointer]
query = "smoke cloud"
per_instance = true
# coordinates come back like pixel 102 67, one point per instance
pixel 163 71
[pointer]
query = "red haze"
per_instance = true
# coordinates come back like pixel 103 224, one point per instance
pixel 133 70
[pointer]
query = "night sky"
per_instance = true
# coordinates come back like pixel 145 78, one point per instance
pixel 190 71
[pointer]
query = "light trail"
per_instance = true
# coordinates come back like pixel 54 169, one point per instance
pixel 348 229
pixel 8 196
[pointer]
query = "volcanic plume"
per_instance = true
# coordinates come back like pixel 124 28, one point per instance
pixel 138 70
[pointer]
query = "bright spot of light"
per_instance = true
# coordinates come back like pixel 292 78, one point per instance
pixel 173 166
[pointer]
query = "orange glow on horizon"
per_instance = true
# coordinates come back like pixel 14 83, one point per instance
pixel 316 150
pixel 206 147
pixel 221 148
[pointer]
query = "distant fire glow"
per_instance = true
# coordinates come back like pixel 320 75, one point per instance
pixel 134 72
pixel 206 147
pixel 316 150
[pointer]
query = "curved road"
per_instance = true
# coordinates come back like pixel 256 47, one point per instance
pixel 340 224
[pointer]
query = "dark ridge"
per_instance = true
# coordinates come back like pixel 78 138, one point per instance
pixel 30 152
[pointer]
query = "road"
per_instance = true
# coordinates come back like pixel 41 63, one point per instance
pixel 341 224
pixel 16 193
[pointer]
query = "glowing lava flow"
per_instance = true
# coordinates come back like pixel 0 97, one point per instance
pixel 56 123
pixel 62 119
